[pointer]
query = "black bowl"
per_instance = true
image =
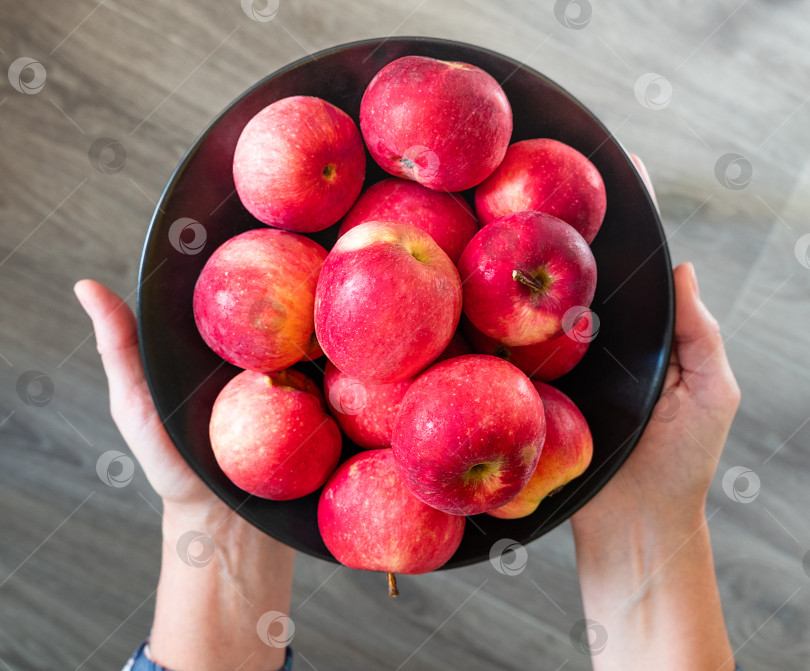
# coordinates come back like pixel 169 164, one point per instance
pixel 616 385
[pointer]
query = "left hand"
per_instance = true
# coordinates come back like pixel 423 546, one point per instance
pixel 203 620
pixel 131 402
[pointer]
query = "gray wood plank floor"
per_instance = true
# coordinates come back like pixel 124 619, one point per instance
pixel 79 560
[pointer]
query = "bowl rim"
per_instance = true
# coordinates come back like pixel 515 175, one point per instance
pixel 600 480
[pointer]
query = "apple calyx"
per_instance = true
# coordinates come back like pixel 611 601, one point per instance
pixel 478 474
pixel 538 282
pixel 329 171
pixel 392 584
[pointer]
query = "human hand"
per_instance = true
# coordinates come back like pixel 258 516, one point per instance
pixel 203 618
pixel 131 402
pixel 665 479
pixel 643 549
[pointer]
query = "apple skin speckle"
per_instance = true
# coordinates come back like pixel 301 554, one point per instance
pixel 279 159
pixel 536 245
pixel 447 218
pixel 382 315
pixel 465 412
pixel 369 519
pixel 548 176
pixel 254 299
pixel 567 452
pixel 432 112
pixel 274 440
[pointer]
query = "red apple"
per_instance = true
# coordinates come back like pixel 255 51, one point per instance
pixel 468 434
pixel 271 435
pixel 446 216
pixel 443 124
pixel 370 521
pixel 299 164
pixel 548 176
pixel 387 303
pixel 522 274
pixel 364 411
pixel 566 453
pixel 255 297
pixel 545 361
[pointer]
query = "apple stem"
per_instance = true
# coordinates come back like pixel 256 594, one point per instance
pixel 530 282
pixel 392 585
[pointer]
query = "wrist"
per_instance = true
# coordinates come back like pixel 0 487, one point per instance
pixel 652 588
pixel 210 515
pixel 219 575
pixel 633 552
pixel 633 523
pixel 634 548
pixel 219 536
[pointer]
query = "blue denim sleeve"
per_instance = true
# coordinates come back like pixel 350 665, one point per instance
pixel 140 662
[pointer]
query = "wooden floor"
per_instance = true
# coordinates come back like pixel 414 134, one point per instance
pixel 79 560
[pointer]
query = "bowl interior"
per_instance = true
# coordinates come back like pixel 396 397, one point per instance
pixel 615 385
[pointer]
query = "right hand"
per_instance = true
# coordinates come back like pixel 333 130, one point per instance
pixel 664 482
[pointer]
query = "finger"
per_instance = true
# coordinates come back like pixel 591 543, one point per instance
pixel 698 341
pixel 117 341
pixel 116 334
pixel 645 177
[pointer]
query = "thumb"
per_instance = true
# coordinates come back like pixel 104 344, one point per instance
pixel 116 333
pixel 698 341
pixel 117 342
pixel 131 402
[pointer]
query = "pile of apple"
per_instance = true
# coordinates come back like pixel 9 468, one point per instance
pixel 449 430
